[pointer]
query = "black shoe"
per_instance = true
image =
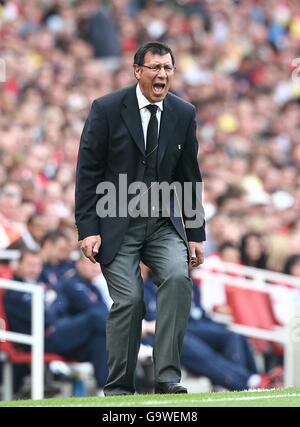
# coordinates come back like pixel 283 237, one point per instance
pixel 118 391
pixel 169 388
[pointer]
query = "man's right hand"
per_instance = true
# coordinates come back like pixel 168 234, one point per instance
pixel 90 247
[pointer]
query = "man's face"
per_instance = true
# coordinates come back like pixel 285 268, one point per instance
pixel 30 267
pixel 58 251
pixel 61 250
pixel 154 84
pixel 38 227
pixel 295 270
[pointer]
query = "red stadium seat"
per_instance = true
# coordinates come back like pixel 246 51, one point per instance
pixel 253 308
pixel 6 271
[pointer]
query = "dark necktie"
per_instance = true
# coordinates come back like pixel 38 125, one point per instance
pixel 152 138
pixel 151 154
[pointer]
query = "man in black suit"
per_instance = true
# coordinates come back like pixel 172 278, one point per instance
pixel 134 140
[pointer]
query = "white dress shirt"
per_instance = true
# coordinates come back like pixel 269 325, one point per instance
pixel 145 113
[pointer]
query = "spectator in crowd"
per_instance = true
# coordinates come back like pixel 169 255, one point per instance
pixel 102 31
pixel 253 252
pixel 33 234
pixel 55 252
pixel 81 291
pixel 213 292
pixel 292 265
pixel 10 201
pixel 229 252
pixel 80 337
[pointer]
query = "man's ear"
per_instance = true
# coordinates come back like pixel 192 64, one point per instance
pixel 137 71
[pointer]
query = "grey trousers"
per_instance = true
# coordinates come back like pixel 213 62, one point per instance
pixel 155 242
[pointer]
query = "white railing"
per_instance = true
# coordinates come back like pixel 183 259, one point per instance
pixel 14 254
pixel 254 279
pixel 35 340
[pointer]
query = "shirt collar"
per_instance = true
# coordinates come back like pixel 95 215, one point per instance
pixel 143 101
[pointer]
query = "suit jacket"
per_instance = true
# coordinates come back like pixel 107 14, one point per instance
pixel 112 143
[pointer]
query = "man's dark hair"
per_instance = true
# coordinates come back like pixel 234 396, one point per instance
pixel 227 245
pixel 33 217
pixel 290 263
pixel 25 252
pixel 156 48
pixel 53 236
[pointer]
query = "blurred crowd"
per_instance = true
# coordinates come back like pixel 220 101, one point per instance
pixel 236 62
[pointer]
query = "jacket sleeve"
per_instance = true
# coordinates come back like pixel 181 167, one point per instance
pixel 90 171
pixel 189 176
pixel 77 296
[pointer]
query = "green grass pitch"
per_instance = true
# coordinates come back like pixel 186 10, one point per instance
pixel 284 397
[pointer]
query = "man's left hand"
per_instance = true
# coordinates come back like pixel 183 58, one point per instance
pixel 196 254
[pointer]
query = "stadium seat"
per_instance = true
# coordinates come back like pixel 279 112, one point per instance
pixel 253 308
pixel 6 271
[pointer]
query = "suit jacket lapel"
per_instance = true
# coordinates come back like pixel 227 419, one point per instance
pixel 132 118
pixel 168 121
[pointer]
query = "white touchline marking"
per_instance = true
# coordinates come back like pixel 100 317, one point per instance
pixel 207 400
pixel 223 399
